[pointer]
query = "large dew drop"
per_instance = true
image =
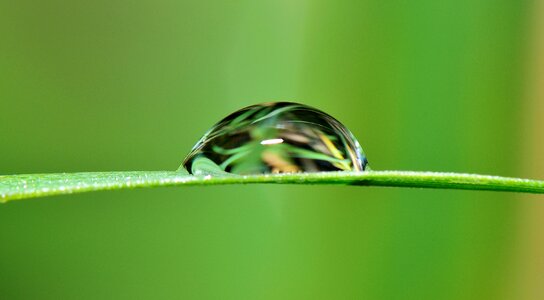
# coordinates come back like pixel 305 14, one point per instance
pixel 279 137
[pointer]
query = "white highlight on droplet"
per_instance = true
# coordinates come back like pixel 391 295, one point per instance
pixel 272 142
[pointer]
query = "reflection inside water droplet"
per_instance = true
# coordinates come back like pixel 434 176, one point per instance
pixel 279 137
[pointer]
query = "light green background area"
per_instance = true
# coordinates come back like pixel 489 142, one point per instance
pixel 132 85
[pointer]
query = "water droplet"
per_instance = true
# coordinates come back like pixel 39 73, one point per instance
pixel 279 137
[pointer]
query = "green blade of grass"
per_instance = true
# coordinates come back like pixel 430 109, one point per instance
pixel 14 187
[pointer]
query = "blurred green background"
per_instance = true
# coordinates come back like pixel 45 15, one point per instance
pixel 132 85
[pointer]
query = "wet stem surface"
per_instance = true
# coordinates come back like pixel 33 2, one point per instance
pixel 17 187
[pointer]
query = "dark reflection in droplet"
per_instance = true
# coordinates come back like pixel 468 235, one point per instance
pixel 279 137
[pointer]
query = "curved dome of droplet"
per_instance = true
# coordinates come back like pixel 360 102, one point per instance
pixel 278 137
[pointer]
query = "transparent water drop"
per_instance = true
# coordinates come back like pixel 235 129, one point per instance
pixel 278 137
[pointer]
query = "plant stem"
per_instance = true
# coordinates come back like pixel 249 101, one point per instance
pixel 14 187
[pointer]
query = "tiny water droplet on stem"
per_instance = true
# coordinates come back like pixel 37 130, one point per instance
pixel 278 137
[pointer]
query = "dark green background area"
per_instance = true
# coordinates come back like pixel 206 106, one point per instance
pixel 132 85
